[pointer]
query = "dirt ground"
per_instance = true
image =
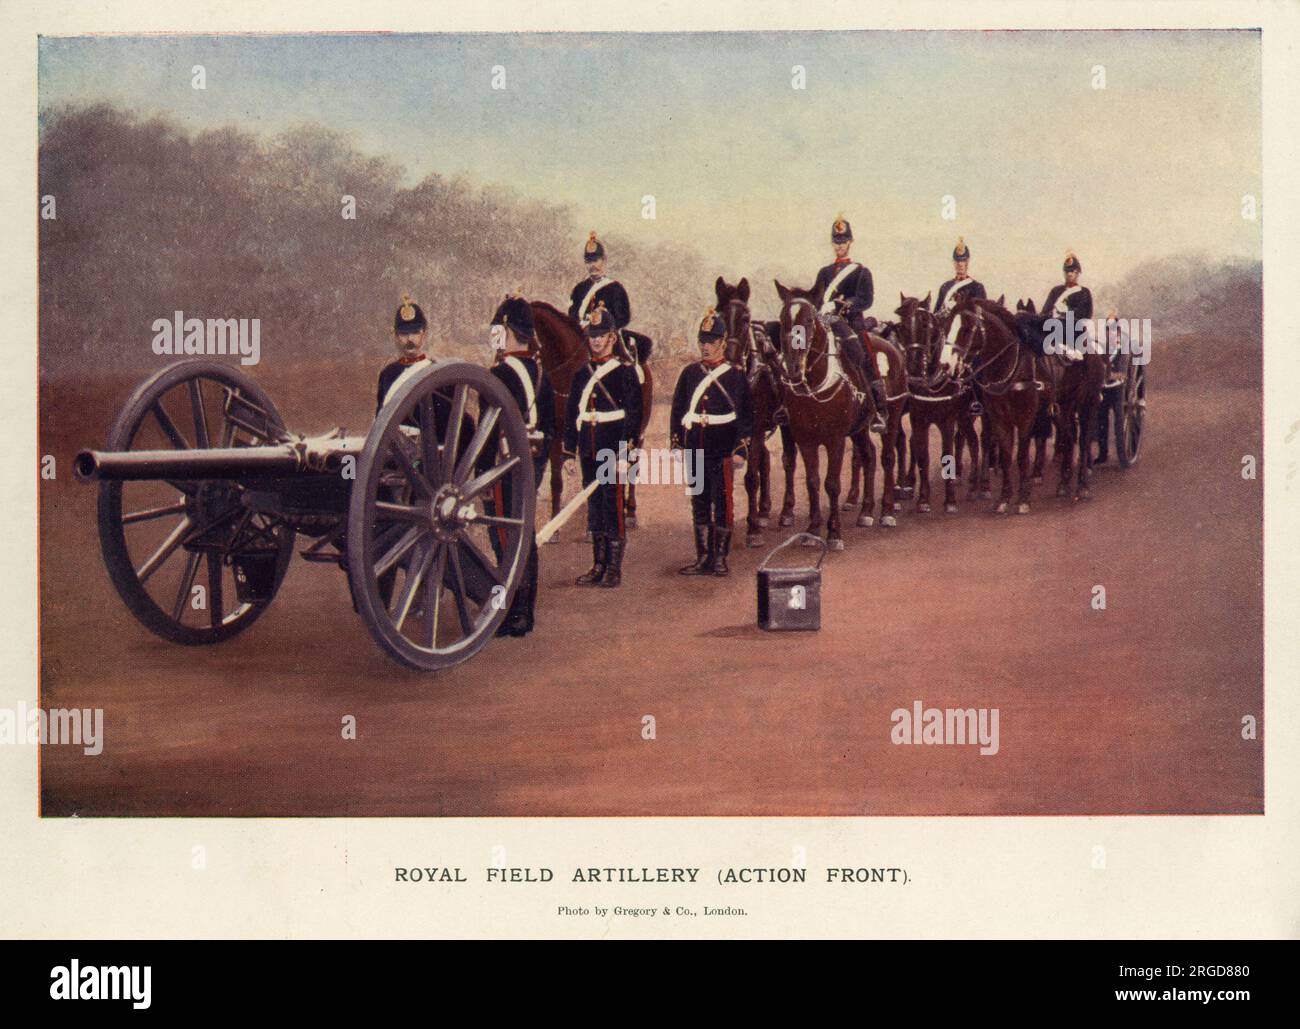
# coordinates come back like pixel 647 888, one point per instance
pixel 1134 709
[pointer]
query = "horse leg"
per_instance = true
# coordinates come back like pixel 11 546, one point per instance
pixel 947 431
pixel 907 487
pixel 889 461
pixel 759 444
pixel 834 468
pixel 788 454
pixel 1022 464
pixel 973 443
pixel 855 480
pixel 865 446
pixel 812 480
pixel 921 455
pixel 1004 433
pixel 1087 419
pixel 987 437
pixel 1065 434
pixel 753 484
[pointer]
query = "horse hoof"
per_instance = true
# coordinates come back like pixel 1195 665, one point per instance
pixel 923 508
pixel 786 521
pixel 629 521
pixel 809 542
pixel 888 522
pixel 1062 491
pixel 1022 509
pixel 1001 508
pixel 865 521
pixel 850 504
pixel 1083 494
pixel 986 494
pixel 949 508
pixel 761 522
pixel 835 544
pixel 753 541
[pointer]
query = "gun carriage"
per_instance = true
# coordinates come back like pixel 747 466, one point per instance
pixel 203 494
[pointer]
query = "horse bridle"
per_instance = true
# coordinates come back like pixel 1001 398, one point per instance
pixel 931 348
pixel 972 371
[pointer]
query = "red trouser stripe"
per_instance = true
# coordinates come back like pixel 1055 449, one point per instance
pixel 727 480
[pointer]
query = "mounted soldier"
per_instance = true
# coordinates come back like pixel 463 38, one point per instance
pixel 604 411
pixel 598 287
pixel 961 284
pixel 514 363
pixel 1072 299
pixel 712 415
pixel 846 293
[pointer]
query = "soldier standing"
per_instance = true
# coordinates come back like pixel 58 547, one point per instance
pixel 409 328
pixel 711 414
pixel 522 374
pixel 846 290
pixel 604 411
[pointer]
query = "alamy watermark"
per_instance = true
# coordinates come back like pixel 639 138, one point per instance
pixel 653 466
pixel 82 727
pixel 179 336
pixel 1106 336
pixel 952 726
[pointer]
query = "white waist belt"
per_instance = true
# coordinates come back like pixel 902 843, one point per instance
pixel 708 419
pixel 601 416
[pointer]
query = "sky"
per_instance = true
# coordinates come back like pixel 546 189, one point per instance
pixel 751 171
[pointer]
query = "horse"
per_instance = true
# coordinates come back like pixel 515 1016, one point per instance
pixel 561 346
pixel 991 354
pixel 1077 386
pixel 937 399
pixel 822 415
pixel 749 347
pixel 905 485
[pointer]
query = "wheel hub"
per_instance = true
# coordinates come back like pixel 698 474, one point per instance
pixel 449 513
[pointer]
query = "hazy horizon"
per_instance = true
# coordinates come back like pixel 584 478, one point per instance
pixel 749 172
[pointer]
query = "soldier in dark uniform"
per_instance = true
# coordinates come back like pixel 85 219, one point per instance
pixel 712 415
pixel 604 411
pixel 522 374
pixel 961 284
pixel 597 287
pixel 1070 296
pixel 846 292
pixel 409 328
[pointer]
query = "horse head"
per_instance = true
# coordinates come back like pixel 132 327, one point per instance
pixel 920 333
pixel 733 306
pixel 803 335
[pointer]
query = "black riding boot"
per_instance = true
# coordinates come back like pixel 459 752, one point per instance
pixel 614 557
pixel 519 620
pixel 721 547
pixel 599 561
pixel 703 552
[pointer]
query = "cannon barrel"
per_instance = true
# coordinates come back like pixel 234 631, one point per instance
pixel 196 465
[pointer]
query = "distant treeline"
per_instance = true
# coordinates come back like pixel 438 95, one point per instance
pixel 1192 293
pixel 226 224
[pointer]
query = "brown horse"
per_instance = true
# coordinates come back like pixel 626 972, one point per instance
pixel 827 403
pixel 562 348
pixel 937 399
pixel 750 348
pixel 990 354
pixel 1077 386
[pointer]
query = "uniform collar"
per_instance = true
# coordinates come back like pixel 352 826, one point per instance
pixel 710 365
pixel 518 353
pixel 843 260
pixel 413 360
pixel 602 360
